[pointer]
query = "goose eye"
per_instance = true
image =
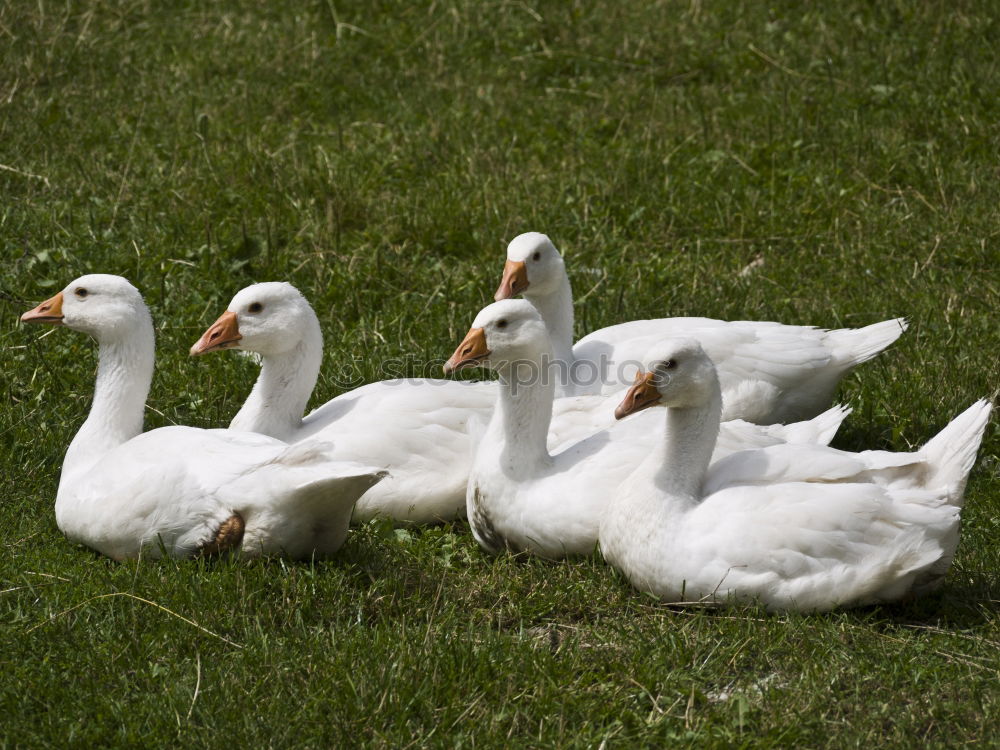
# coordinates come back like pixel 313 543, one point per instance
pixel 255 307
pixel 81 292
pixel 670 364
pixel 502 323
pixel 536 256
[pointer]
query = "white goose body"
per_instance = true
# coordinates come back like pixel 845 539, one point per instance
pixel 421 433
pixel 419 429
pixel 182 491
pixel 769 372
pixel 796 527
pixel 521 496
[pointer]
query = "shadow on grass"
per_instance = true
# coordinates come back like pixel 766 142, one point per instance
pixel 959 604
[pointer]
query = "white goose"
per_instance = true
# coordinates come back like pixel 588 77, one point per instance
pixel 182 491
pixel 422 430
pixel 522 496
pixel 797 527
pixel 769 372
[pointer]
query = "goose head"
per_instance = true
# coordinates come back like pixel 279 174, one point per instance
pixel 104 306
pixel 504 332
pixel 532 263
pixel 679 374
pixel 269 318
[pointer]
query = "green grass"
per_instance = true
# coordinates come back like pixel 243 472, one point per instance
pixel 379 155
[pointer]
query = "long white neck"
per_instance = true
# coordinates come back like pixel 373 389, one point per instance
pixel 642 531
pixel 278 400
pixel 124 374
pixel 519 427
pixel 555 305
pixel 686 450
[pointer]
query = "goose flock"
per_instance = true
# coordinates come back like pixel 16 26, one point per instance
pixel 728 492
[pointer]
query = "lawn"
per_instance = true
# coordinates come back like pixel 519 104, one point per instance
pixel 831 165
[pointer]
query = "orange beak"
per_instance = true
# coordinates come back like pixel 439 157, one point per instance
pixel 514 281
pixel 50 311
pixel 641 395
pixel 473 349
pixel 223 334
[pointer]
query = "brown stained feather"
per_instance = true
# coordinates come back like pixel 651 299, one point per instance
pixel 228 538
pixel 482 524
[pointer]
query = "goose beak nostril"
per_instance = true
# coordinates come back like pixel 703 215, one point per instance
pixel 49 311
pixel 514 281
pixel 473 349
pixel 223 334
pixel 641 395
